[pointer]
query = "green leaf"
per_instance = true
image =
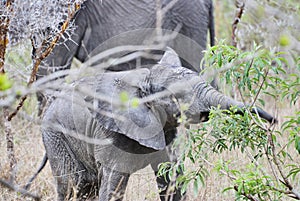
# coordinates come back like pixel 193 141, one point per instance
pixel 227 189
pixel 135 102
pixel 297 143
pixel 200 179
pixel 183 188
pixel 195 187
pixel 293 172
pixel 124 97
pixel 5 83
pixel 219 59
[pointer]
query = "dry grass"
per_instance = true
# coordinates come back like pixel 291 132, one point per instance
pixel 29 152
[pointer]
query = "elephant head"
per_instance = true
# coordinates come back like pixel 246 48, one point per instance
pixel 194 91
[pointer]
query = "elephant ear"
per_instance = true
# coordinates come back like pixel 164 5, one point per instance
pixel 170 57
pixel 121 113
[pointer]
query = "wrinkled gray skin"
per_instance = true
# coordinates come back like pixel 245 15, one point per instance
pixel 100 20
pixel 138 136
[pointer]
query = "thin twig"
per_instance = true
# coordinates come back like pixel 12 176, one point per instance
pixel 250 197
pixel 165 9
pixel 255 99
pixel 19 190
pixel 266 72
pixel 240 4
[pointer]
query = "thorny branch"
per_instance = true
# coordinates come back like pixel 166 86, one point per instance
pixel 4 27
pixel 42 54
pixel 4 23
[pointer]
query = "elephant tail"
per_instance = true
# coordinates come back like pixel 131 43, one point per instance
pixel 42 165
pixel 211 25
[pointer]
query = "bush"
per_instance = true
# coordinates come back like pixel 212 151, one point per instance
pixel 271 152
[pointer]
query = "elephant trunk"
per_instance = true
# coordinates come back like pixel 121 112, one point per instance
pixel 209 97
pixel 263 114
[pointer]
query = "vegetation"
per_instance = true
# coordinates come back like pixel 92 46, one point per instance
pixel 258 161
pixel 270 153
pixel 229 157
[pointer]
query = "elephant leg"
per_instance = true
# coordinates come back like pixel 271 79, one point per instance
pixel 113 185
pixel 166 186
pixel 70 175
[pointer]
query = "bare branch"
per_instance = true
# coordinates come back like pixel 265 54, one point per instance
pixel 4 24
pixel 240 4
pixel 19 190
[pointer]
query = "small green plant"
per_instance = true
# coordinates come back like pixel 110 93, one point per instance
pixel 256 76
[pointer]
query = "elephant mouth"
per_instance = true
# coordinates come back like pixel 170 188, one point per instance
pixel 195 118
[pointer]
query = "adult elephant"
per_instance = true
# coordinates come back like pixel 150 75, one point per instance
pixel 94 140
pixel 99 25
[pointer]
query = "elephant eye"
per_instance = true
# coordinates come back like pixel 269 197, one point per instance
pixel 157 88
pixel 141 93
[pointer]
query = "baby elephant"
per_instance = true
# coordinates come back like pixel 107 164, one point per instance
pixel 109 125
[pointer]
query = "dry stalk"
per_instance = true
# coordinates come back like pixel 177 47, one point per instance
pixel 4 24
pixel 19 190
pixel 240 4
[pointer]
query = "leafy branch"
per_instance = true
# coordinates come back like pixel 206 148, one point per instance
pixel 263 66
